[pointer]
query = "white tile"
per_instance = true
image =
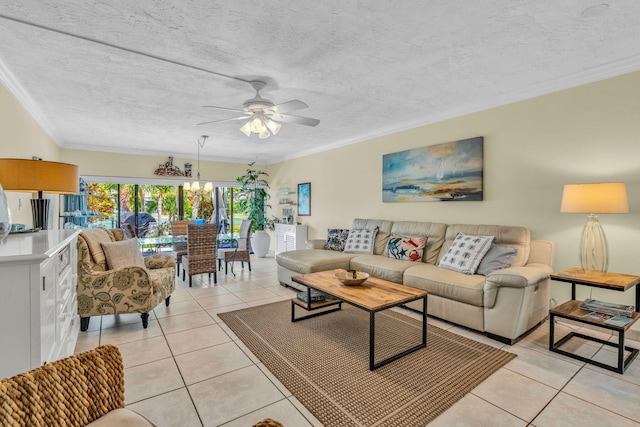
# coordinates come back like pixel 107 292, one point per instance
pixel 174 408
pixel 196 339
pixel 612 393
pixel 229 396
pixel 144 351
pixel 472 411
pixel 151 379
pixel 185 321
pixel 282 411
pixel 515 393
pixel 569 411
pixel 219 301
pixel 176 308
pixel 211 362
pixel 541 366
pixel 129 332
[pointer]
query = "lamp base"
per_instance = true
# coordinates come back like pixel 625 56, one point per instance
pixel 594 254
pixel 40 213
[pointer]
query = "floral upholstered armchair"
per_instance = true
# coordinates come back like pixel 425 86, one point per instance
pixel 114 278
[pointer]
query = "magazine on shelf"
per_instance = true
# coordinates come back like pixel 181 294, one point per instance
pixel 618 320
pixel 594 315
pixel 608 308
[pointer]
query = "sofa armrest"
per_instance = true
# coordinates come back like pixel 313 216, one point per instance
pixel 159 261
pixel 514 277
pixel 315 243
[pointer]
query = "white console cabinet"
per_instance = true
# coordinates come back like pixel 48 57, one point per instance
pixel 290 237
pixel 39 320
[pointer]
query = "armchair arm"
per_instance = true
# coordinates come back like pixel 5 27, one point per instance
pixel 159 261
pixel 514 277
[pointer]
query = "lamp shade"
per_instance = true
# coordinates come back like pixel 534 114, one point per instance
pixel 609 197
pixel 30 176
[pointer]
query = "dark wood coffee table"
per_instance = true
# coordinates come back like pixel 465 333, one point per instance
pixel 373 296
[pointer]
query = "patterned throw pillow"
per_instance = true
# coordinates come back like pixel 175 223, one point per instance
pixel 361 241
pixel 405 248
pixel 466 252
pixel 123 253
pixel 336 239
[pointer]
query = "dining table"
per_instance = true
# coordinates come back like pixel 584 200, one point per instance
pixel 156 243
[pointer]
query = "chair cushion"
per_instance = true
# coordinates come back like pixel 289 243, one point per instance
pixel 382 267
pixel 121 417
pixel 123 253
pixel 465 288
pixel 94 237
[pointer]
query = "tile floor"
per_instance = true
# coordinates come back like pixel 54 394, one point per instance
pixel 188 369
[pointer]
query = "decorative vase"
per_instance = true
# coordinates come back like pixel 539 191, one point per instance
pixel 260 242
pixel 5 215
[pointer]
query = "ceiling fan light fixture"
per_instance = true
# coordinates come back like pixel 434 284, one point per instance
pixel 246 128
pixel 186 186
pixel 257 126
pixel 264 134
pixel 208 186
pixel 274 127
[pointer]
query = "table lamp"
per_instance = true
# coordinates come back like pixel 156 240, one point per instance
pixel 592 199
pixel 30 176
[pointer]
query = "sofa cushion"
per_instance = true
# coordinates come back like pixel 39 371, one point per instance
pixel 123 253
pixel 465 288
pixel 305 261
pixel 497 258
pixel 510 237
pixel 361 241
pixel 381 267
pixel 465 253
pixel 405 248
pixel 434 231
pixel 384 230
pixel 336 239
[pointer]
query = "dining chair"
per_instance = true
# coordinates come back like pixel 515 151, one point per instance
pixel 179 228
pixel 201 251
pixel 241 252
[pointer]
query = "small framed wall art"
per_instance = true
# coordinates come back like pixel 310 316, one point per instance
pixel 304 199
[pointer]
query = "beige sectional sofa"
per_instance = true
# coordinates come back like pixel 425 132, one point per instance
pixel 505 304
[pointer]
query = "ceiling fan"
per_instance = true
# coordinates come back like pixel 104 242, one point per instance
pixel 263 115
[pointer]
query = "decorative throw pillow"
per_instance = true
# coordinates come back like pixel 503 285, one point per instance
pixel 497 258
pixel 361 241
pixel 466 252
pixel 406 248
pixel 336 239
pixel 123 253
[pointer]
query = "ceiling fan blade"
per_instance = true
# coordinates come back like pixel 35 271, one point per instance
pixel 224 120
pixel 285 107
pixel 295 119
pixel 223 108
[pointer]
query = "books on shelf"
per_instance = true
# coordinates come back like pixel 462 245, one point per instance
pixel 608 318
pixel 607 308
pixel 315 296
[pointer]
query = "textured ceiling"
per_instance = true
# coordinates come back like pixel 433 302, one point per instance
pixel 132 77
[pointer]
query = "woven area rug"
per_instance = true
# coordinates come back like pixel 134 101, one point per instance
pixel 324 362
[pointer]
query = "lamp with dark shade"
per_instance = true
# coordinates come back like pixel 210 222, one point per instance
pixel 31 176
pixel 592 199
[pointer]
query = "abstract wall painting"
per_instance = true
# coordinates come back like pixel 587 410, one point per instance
pixel 452 171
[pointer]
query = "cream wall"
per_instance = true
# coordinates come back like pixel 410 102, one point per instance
pixel 531 149
pixel 22 137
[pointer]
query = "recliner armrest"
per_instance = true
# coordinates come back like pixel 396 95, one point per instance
pixel 514 277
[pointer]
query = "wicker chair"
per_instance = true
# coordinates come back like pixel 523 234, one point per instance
pixel 73 392
pixel 201 251
pixel 128 289
pixel 179 228
pixel 241 253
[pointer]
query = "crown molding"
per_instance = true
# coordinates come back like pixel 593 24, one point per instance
pixel 22 96
pixel 592 75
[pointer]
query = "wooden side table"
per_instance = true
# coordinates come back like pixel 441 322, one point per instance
pixel 612 281
pixel 571 310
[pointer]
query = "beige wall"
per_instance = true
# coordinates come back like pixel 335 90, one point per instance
pixel 99 163
pixel 531 149
pixel 22 137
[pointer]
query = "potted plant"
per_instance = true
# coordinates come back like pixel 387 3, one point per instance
pixel 252 198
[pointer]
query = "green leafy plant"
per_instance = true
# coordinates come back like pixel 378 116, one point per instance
pixel 252 197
